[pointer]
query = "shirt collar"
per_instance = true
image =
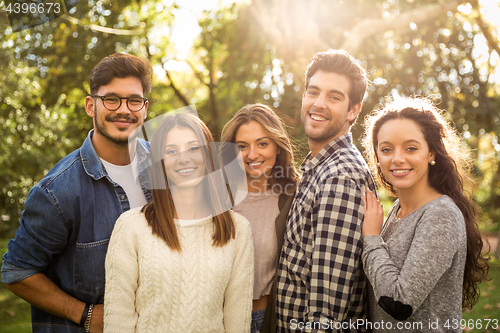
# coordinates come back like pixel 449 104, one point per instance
pixel 311 162
pixel 92 164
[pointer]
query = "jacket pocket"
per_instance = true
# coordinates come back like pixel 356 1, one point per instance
pixel 88 270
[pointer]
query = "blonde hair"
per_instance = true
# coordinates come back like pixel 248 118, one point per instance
pixel 274 126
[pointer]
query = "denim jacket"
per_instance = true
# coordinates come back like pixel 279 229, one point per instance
pixel 65 229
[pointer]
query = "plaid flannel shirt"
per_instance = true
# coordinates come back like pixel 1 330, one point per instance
pixel 320 275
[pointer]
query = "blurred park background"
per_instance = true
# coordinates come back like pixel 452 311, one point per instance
pixel 221 55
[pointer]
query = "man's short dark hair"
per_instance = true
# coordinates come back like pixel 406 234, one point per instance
pixel 342 63
pixel 121 65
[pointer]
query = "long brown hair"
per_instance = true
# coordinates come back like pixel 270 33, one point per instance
pixel 160 212
pixel 447 176
pixel 274 126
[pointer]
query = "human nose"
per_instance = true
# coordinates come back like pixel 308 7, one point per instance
pixel 123 106
pixel 252 154
pixel 184 157
pixel 320 102
pixel 398 157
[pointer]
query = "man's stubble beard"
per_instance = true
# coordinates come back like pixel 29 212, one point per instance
pixel 99 128
pixel 329 132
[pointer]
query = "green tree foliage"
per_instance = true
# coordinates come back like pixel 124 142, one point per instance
pixel 443 58
pixel 44 74
pixel 409 47
pixel 228 66
pixel 246 53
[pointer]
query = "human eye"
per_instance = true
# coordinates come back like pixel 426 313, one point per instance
pixel 335 98
pixel 385 150
pixel 311 92
pixel 135 100
pixel 263 144
pixel 170 151
pixel 194 148
pixel 412 149
pixel 112 99
pixel 242 146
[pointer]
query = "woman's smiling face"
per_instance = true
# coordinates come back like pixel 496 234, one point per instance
pixel 183 158
pixel 403 154
pixel 258 149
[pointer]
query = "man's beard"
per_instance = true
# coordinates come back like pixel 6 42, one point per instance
pixel 328 132
pixel 100 128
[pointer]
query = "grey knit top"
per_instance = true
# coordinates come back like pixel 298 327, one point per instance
pixel 416 268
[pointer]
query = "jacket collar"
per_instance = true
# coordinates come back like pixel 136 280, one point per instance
pixel 92 164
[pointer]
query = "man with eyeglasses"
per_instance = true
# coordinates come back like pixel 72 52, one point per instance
pixel 56 261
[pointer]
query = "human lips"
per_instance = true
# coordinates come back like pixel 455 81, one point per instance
pixel 186 171
pixel 317 117
pixel 255 165
pixel 400 172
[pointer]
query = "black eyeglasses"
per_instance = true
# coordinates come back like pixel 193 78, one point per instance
pixel 113 102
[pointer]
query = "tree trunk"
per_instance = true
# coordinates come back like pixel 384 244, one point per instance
pixel 497 252
pixel 211 96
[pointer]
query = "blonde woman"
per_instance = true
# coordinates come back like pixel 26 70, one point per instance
pixel 271 179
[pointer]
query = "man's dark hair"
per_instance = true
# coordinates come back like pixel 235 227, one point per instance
pixel 342 63
pixel 121 65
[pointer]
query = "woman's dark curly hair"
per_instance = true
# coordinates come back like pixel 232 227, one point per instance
pixel 447 176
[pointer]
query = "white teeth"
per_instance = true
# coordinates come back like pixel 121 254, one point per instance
pixel 400 171
pixel 255 164
pixel 186 170
pixel 318 118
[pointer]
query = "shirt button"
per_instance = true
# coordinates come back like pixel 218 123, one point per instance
pixel 122 197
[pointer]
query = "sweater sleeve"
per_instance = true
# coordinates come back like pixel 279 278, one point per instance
pixel 435 241
pixel 122 273
pixel 239 291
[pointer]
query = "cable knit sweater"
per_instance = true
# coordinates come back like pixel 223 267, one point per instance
pixel 150 288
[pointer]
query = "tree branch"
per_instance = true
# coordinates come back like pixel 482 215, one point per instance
pixel 176 91
pixel 370 27
pixel 265 21
pixel 211 87
pixel 197 74
pixel 492 43
pixel 290 25
pixel 102 29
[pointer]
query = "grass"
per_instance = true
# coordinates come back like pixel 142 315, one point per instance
pixel 15 314
pixel 488 306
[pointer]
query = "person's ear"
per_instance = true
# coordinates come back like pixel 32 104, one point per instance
pixel 432 158
pixel 354 112
pixel 90 106
pixel 146 104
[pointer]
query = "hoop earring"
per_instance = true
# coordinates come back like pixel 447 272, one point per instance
pixel 433 162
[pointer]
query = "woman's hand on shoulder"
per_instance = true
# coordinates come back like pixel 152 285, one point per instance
pixel 374 215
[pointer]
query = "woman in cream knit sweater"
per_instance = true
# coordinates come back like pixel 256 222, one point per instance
pixel 182 263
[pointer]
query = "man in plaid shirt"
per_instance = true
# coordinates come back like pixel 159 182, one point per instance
pixel 321 284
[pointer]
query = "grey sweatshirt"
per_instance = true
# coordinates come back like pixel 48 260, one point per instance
pixel 416 268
